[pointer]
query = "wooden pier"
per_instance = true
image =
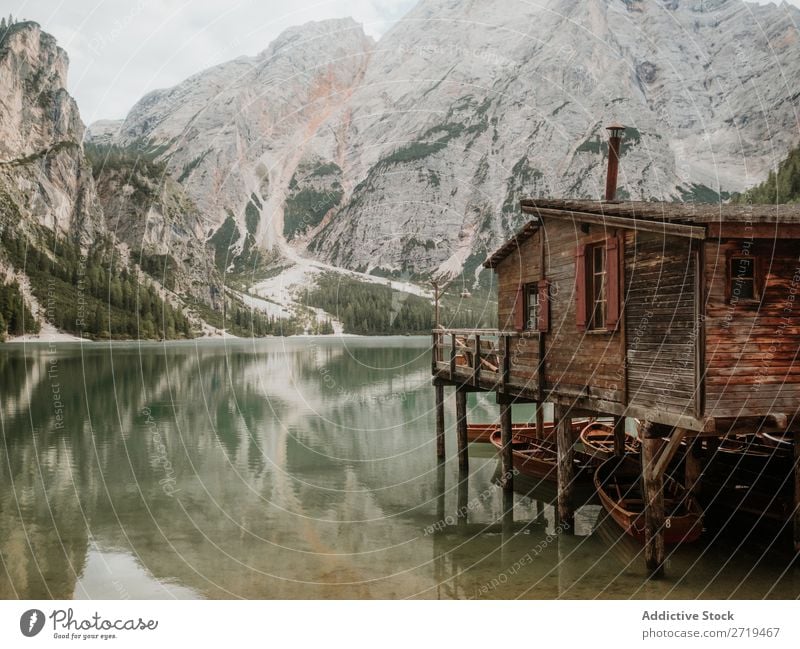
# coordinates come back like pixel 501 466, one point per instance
pixel 684 317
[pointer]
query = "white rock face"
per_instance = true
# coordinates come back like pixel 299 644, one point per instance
pixel 465 106
pixel 43 173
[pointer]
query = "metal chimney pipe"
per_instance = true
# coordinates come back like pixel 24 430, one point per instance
pixel 614 145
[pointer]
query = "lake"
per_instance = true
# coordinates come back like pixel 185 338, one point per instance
pixel 296 468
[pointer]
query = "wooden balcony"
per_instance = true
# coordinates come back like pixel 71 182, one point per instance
pixel 489 359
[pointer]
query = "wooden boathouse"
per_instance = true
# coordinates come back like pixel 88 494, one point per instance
pixel 683 316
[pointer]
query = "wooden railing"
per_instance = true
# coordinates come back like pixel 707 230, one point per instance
pixel 480 357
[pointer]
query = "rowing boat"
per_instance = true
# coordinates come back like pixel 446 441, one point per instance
pixel 533 457
pixel 618 484
pixel 598 442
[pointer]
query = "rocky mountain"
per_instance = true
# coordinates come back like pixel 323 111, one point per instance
pixel 73 258
pixel 408 156
pixel 42 168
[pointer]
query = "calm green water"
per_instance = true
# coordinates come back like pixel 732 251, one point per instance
pixel 301 468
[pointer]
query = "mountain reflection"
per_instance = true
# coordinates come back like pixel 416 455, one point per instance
pixel 300 468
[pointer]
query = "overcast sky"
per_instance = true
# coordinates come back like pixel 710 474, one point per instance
pixel 121 49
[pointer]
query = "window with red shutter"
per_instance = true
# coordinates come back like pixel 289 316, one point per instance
pixel 519 308
pixel 580 288
pixel 613 302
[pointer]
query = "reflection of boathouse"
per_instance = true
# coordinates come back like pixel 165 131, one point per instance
pixel 683 316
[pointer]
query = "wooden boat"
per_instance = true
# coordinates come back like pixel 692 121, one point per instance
pixel 782 441
pixel 597 438
pixel 618 484
pixel 482 433
pixel 535 458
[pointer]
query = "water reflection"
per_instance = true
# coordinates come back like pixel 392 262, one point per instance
pixel 289 469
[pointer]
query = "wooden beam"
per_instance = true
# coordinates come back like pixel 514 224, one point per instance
pixel 619 436
pixel 507 479
pixel 653 493
pixel 440 453
pixel 669 451
pixel 566 467
pixel 771 231
pixel 461 429
pixel 609 222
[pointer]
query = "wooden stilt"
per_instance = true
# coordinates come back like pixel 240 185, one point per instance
pixel 439 421
pixel 619 436
pixel 507 479
pixel 463 498
pixel 441 491
pixel 508 516
pixel 540 420
pixel 566 468
pixel 653 492
pixel 797 490
pixel 461 429
pixel 693 468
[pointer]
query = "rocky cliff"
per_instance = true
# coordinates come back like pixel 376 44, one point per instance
pixel 409 155
pixel 65 263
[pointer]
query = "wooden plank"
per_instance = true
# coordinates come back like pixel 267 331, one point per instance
pixel 653 492
pixel 461 429
pixel 440 450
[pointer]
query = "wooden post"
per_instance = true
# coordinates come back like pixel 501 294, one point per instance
pixel 566 468
pixel 653 493
pixel 439 421
pixel 693 468
pixel 463 499
pixel 452 356
pixel 540 420
pixel 797 490
pixel 619 436
pixel 507 479
pixel 441 492
pixel 461 429
pixel 476 362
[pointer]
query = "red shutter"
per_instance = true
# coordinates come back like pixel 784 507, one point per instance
pixel 580 287
pixel 519 309
pixel 544 306
pixel 612 283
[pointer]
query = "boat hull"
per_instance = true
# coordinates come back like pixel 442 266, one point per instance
pixel 616 480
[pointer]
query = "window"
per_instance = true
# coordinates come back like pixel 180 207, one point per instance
pixel 532 307
pixel 742 279
pixel 596 287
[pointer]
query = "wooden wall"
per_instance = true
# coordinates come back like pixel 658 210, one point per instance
pixel 520 267
pixel 752 349
pixel 577 363
pixel 662 335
